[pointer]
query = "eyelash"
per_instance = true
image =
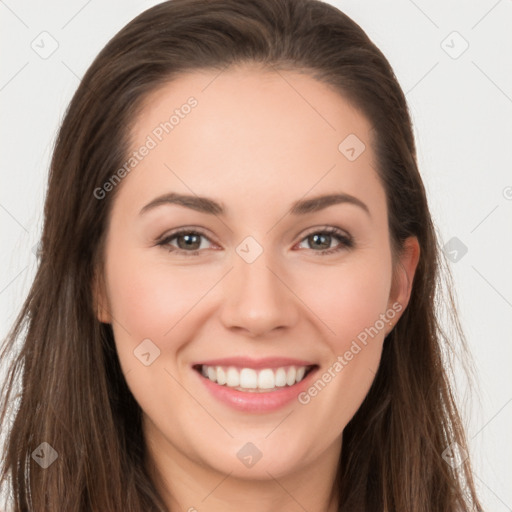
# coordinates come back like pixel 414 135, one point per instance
pixel 345 240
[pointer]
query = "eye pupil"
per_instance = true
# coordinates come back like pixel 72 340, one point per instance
pixel 189 241
pixel 317 237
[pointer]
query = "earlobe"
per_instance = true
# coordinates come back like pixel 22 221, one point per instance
pixel 403 274
pixel 100 303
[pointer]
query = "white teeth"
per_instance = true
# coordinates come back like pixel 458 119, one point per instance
pixel 221 376
pixel 212 374
pixel 249 378
pixel 266 379
pixel 233 377
pixel 290 376
pixel 281 377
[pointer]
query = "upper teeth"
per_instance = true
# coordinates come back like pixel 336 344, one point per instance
pixel 248 378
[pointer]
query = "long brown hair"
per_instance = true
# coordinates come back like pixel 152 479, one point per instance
pixel 71 391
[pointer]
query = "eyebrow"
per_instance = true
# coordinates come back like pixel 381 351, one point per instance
pixel 210 206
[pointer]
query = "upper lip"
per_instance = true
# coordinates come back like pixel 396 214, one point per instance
pixel 247 362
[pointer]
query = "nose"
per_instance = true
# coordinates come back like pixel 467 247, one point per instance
pixel 258 299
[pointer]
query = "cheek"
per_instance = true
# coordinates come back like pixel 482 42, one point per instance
pixel 348 298
pixel 153 300
pixel 150 299
pixel 351 301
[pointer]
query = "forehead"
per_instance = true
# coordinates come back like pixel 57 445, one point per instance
pixel 251 132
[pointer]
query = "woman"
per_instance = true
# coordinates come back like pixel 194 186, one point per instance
pixel 188 344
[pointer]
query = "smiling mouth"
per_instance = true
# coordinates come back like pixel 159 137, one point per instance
pixel 262 380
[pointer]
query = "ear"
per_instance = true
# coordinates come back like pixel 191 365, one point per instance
pixel 403 274
pixel 100 299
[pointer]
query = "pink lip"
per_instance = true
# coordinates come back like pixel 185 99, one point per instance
pixel 247 362
pixel 256 402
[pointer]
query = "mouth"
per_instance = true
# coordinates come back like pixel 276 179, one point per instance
pixel 253 385
pixel 255 380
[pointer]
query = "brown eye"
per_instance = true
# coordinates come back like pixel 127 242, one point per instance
pixel 323 239
pixel 187 242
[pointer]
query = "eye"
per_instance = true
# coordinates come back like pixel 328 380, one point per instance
pixel 188 242
pixel 323 239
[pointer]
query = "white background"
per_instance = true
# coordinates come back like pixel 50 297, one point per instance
pixel 462 112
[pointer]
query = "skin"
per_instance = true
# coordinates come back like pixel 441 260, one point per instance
pixel 256 142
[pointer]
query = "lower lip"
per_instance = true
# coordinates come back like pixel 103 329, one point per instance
pixel 257 401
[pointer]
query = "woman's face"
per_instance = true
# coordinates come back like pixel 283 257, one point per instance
pixel 254 292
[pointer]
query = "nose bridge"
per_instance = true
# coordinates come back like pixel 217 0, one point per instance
pixel 257 299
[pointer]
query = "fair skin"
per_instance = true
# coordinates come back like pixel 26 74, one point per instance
pixel 256 145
